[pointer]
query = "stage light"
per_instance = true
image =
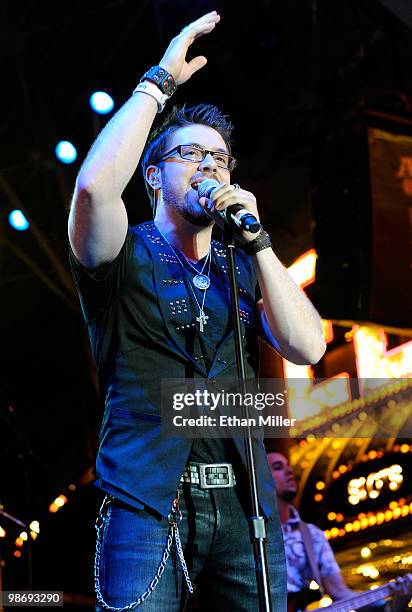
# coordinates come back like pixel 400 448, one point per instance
pixel 58 503
pixel 65 152
pixel 368 570
pixel 375 361
pixel 34 526
pixel 327 330
pixel 18 221
pixel 101 102
pixel 2 532
pixel 303 269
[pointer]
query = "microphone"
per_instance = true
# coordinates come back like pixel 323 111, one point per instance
pixel 235 214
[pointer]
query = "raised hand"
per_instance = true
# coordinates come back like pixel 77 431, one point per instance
pixel 174 59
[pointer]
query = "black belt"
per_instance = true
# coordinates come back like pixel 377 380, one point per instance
pixel 209 475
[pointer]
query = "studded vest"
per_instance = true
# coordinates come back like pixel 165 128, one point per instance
pixel 142 328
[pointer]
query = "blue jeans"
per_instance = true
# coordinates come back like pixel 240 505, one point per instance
pixel 215 538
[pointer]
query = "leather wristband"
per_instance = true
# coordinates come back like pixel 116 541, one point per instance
pixel 162 78
pixel 262 241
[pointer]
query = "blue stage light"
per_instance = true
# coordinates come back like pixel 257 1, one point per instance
pixel 101 102
pixel 18 221
pixel 65 152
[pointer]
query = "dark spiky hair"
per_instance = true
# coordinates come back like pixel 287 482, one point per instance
pixel 277 445
pixel 203 114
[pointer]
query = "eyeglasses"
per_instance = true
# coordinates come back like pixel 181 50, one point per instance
pixel 196 153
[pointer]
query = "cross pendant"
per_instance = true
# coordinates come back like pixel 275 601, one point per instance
pixel 202 320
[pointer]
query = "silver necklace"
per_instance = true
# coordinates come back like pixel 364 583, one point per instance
pixel 200 280
pixel 202 318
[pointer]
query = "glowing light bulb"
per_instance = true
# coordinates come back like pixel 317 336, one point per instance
pixel 101 102
pixel 65 152
pixel 18 220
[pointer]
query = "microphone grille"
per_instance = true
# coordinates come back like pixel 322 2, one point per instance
pixel 206 187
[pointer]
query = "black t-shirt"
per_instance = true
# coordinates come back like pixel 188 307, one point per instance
pixel 217 308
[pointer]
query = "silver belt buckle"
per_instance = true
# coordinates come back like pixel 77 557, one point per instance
pixel 203 476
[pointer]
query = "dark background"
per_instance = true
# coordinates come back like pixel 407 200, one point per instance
pixel 286 73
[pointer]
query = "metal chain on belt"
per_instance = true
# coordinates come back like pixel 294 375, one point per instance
pixel 172 534
pixel 182 559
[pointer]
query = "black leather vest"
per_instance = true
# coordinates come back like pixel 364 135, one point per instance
pixel 135 463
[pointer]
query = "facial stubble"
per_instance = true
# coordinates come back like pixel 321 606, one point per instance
pixel 188 207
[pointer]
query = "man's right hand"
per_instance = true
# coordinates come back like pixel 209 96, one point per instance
pixel 98 218
pixel 174 59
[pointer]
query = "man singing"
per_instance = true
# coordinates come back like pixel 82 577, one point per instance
pixel 155 299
